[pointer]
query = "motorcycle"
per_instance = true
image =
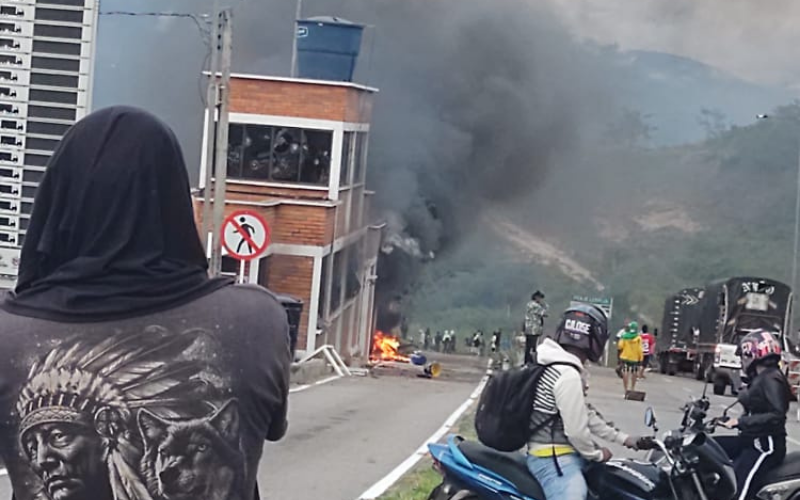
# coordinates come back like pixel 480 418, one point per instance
pixel 686 465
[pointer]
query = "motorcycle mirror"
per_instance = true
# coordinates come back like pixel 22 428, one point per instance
pixel 649 417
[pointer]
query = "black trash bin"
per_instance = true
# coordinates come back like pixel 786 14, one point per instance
pixel 294 309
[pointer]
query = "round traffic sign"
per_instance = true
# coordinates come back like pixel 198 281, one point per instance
pixel 245 235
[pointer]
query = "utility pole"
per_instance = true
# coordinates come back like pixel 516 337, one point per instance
pixel 221 45
pixel 212 99
pixel 793 334
pixel 297 14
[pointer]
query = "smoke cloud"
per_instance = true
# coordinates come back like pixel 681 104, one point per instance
pixel 479 100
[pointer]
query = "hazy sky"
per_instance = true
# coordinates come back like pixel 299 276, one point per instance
pixel 757 40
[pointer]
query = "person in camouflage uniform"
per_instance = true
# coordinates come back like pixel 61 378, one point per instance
pixel 535 313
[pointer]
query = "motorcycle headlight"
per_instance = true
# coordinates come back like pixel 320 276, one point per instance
pixel 779 491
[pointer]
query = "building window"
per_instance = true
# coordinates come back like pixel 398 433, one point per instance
pixel 360 158
pixel 347 158
pixel 323 286
pixel 279 154
pixel 354 264
pixel 336 282
pixel 356 207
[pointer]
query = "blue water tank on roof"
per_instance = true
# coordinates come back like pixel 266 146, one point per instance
pixel 327 48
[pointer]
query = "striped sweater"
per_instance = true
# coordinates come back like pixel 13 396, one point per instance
pixel 560 398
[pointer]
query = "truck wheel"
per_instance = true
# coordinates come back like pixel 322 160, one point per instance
pixel 719 387
pixel 672 368
pixel 662 365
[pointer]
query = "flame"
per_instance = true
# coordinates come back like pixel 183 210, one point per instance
pixel 385 348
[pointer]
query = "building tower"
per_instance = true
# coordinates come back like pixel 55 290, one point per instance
pixel 297 156
pixel 46 59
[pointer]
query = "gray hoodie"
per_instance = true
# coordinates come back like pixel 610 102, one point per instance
pixel 561 393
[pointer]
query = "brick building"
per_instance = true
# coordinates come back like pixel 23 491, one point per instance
pixel 298 156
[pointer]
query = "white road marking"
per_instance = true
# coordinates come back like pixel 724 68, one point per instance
pixel 381 486
pixel 301 388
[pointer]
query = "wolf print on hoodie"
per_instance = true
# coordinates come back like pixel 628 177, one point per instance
pixel 138 415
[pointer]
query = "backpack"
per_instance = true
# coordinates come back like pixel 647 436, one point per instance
pixel 503 418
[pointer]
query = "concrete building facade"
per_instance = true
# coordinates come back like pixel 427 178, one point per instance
pixel 46 60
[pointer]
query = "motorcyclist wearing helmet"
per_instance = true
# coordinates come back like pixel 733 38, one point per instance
pixel 563 424
pixel 761 443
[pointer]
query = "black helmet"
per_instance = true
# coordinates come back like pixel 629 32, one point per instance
pixel 583 327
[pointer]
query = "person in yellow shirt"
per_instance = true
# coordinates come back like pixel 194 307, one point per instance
pixel 631 355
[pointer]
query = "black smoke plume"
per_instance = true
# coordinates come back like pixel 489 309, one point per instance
pixel 478 100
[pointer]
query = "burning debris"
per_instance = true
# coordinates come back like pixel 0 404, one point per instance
pixel 386 353
pixel 386 348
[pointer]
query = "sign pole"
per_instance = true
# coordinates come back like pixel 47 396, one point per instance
pixel 221 158
pixel 241 271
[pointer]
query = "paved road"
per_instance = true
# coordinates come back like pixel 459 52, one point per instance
pixel 348 434
pixel 666 395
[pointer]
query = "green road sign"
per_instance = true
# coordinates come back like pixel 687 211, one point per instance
pixel 604 303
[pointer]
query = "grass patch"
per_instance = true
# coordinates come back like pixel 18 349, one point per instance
pixel 418 483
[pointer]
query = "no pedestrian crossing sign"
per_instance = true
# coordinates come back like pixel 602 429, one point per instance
pixel 245 235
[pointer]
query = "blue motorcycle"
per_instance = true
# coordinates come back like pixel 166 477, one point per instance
pixel 690 466
pixel 472 471
pixel 687 464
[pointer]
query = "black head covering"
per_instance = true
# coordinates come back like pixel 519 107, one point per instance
pixel 112 233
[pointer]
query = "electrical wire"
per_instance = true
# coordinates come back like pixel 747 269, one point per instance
pixel 201 21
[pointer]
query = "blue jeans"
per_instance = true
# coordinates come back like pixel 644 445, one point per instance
pixel 571 485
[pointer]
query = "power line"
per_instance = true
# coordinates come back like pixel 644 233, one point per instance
pixel 201 21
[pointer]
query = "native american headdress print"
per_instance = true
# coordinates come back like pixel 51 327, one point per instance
pixel 102 385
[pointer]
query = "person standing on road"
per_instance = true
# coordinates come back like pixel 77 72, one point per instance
pixel 115 340
pixel 563 424
pixel 761 443
pixel 535 313
pixel 495 348
pixel 648 347
pixel 630 355
pixel 437 341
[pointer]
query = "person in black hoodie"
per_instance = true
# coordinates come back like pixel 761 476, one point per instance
pixel 127 372
pixel 761 443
